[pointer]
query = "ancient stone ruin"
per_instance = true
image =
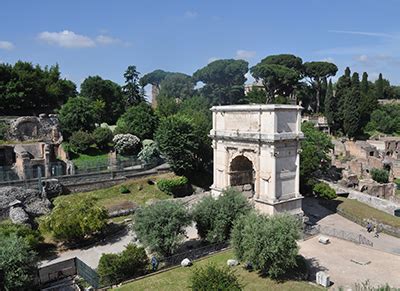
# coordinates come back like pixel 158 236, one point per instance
pixel 256 149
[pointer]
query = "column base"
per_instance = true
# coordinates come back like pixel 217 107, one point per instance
pixel 291 206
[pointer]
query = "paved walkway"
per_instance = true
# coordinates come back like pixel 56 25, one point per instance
pixel 324 217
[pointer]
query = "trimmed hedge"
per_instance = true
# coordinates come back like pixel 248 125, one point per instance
pixel 323 190
pixel 177 186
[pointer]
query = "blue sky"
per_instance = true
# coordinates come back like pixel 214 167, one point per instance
pixel 101 37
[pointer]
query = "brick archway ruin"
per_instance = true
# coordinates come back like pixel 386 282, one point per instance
pixel 259 145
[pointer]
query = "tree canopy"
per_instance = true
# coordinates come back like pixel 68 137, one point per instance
pixel 132 90
pixel 177 85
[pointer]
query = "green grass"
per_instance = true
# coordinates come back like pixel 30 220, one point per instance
pixel 91 159
pixel 178 278
pixel 361 211
pixel 140 193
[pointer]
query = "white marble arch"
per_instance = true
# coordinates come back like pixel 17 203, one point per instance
pixel 269 137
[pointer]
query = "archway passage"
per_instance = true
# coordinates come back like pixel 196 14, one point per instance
pixel 241 171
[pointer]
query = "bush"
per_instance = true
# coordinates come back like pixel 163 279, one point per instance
pixel 18 262
pixel 126 144
pixel 215 217
pixel 268 242
pixel 74 220
pixel 323 190
pixel 114 268
pixel 32 237
pixel 124 189
pixel 150 152
pixel 161 226
pixel 80 141
pixel 380 175
pixel 211 277
pixel 3 130
pixel 102 136
pixel 177 186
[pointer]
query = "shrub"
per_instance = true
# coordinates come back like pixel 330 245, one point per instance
pixel 161 226
pixel 211 277
pixel 215 217
pixel 114 268
pixel 380 175
pixel 150 152
pixel 177 186
pixel 323 190
pixel 74 220
pixel 268 242
pixel 102 136
pixel 126 144
pixel 3 130
pixel 80 141
pixel 32 237
pixel 18 262
pixel 124 189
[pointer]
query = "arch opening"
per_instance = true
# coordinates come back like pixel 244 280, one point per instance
pixel 241 172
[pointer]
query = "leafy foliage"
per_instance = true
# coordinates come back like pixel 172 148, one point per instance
pixel 380 175
pixel 126 144
pixel 224 81
pixel 323 190
pixel 77 114
pixel 215 217
pixel 3 130
pixel 102 136
pixel 138 120
pixel 27 89
pixel 256 96
pixel 161 226
pixel 177 85
pixel 211 277
pixel 133 92
pixel 80 141
pixel 18 262
pixel 32 237
pixel 107 93
pixel 150 152
pixel 114 268
pixel 176 186
pixel 386 119
pixel 268 242
pixel 351 113
pixel 73 220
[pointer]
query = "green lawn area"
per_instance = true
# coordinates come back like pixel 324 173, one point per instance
pixel 140 192
pixel 93 158
pixel 361 211
pixel 178 278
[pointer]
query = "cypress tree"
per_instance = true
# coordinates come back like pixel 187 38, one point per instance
pixel 364 86
pixel 331 107
pixel 379 87
pixel 351 117
pixel 368 101
pixel 343 87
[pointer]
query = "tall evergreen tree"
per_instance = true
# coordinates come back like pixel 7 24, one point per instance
pixel 132 90
pixel 379 87
pixel 364 86
pixel 331 107
pixel 368 102
pixel 351 117
pixel 343 87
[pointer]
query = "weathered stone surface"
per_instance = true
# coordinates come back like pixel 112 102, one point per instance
pixel 18 215
pixel 31 200
pixel 232 262
pixel 186 262
pixel 323 240
pixel 52 188
pixel 247 187
pixel 323 279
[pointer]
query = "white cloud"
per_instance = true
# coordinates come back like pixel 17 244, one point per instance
pixel 66 39
pixel 190 14
pixel 328 59
pixel 362 58
pixel 212 59
pixel 6 45
pixel 244 54
pixel 105 39
pixel 364 33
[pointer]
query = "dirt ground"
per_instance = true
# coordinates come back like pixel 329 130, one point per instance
pixel 336 259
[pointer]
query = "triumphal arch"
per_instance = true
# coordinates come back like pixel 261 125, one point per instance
pixel 256 149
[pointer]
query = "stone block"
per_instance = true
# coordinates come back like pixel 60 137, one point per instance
pixel 186 262
pixel 323 279
pixel 323 240
pixel 232 263
pixel 247 187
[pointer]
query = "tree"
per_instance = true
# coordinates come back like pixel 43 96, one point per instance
pixel 138 120
pixel 126 144
pixel 351 117
pixel 154 78
pixel 177 85
pixel 368 102
pixel 380 175
pixel 331 107
pixel 132 90
pixel 77 114
pixel 18 262
pixel 379 87
pixel 107 92
pixel 166 106
pixel 211 277
pixel 180 145
pixel 102 137
pixel 314 152
pixel 317 72
pixel 215 217
pixel 80 141
pixel 115 268
pixel 343 87
pixel 268 242
pixel 224 81
pixel 150 152
pixel 256 96
pixel 74 220
pixel 386 119
pixel 161 226
pixel 31 236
